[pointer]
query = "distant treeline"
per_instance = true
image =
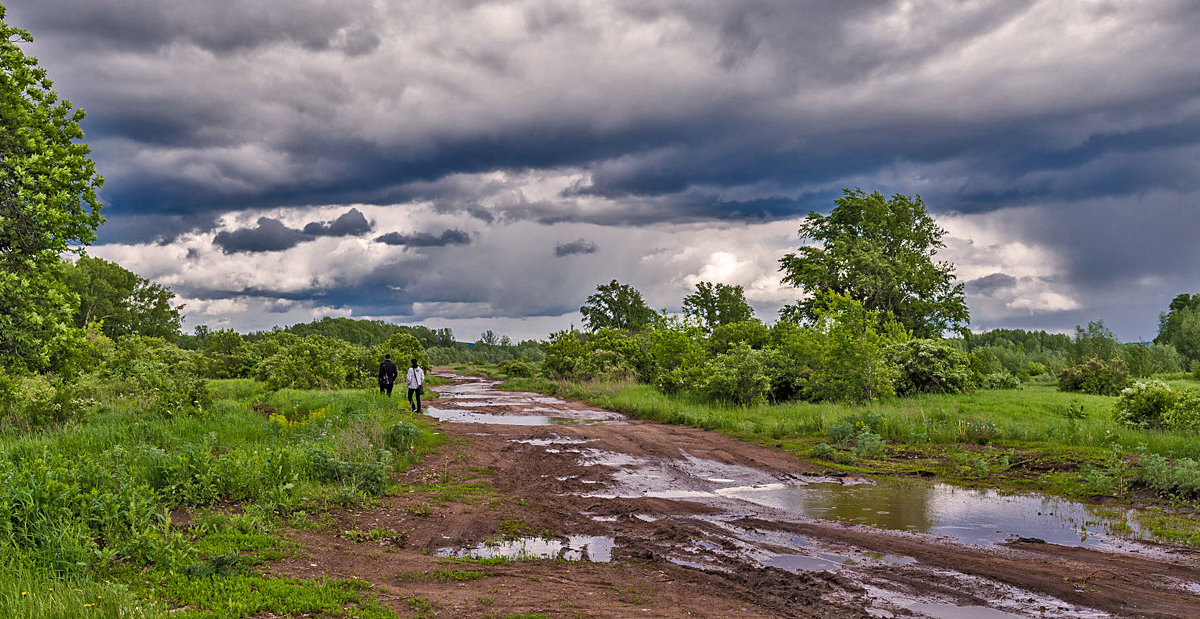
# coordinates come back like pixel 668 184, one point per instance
pixel 440 344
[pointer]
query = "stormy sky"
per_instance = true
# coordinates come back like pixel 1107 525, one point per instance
pixel 481 165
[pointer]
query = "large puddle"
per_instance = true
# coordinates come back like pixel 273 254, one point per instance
pixel 461 416
pixel 976 517
pixel 574 548
pixel 508 408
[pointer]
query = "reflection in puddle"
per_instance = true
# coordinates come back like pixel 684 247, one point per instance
pixel 950 611
pixel 576 548
pixel 970 516
pixel 459 416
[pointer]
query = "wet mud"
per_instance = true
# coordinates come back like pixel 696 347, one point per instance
pixel 573 511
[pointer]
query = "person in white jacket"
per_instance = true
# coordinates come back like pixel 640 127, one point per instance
pixel 416 385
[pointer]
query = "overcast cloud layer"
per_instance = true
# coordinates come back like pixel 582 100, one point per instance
pixel 485 165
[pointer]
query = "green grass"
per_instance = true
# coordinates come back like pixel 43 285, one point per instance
pixel 1036 438
pixel 88 502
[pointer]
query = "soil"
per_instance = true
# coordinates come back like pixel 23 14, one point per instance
pixel 634 506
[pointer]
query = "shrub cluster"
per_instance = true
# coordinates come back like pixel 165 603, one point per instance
pixel 846 355
pixel 1095 377
pixel 1154 404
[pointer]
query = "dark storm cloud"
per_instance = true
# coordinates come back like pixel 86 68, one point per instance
pixel 221 26
pixel 990 284
pixel 350 223
pixel 581 246
pixel 425 239
pixel 268 235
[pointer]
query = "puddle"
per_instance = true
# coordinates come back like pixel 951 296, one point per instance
pixel 576 548
pixel 950 611
pixel 556 440
pixel 460 416
pixel 969 516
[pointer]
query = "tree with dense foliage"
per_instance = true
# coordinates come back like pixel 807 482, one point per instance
pixel 1179 326
pixel 850 360
pixel 880 253
pixel 717 304
pixel 1096 341
pixel 124 302
pixel 617 306
pixel 48 205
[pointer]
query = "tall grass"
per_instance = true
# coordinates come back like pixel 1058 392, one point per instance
pixel 1037 416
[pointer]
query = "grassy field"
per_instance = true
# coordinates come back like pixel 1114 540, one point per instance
pixel 1033 439
pixel 90 508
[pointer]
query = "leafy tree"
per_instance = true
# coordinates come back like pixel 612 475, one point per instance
pixel 225 355
pixel 1179 326
pixel 1095 342
pixel 123 301
pixel 48 204
pixel 717 304
pixel 878 252
pixel 725 337
pixel 617 306
pixel 930 366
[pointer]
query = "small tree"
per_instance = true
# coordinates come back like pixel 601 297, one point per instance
pixel 880 253
pixel 617 306
pixel 717 304
pixel 851 362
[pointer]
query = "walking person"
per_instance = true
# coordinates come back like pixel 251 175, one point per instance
pixel 387 375
pixel 416 385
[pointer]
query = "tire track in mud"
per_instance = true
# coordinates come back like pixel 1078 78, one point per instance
pixel 702 524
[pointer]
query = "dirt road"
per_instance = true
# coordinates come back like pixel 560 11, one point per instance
pixel 667 521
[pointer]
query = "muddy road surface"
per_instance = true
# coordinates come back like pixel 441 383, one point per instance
pixel 538 506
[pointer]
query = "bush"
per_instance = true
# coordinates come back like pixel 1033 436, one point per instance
pixel 736 376
pixel 564 354
pixel 929 366
pixel 751 332
pixel 999 380
pixel 311 362
pixel 517 368
pixel 1195 370
pixel 1095 377
pixel 402 437
pixel 1144 404
pixel 1182 479
pixel 1185 415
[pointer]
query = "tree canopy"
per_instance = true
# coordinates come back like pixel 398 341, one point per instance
pixel 617 306
pixel 717 304
pixel 122 301
pixel 880 252
pixel 1179 326
pixel 48 206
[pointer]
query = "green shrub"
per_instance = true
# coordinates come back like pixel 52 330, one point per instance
pixel 999 380
pixel 750 332
pixel 1185 414
pixel 736 376
pixel 402 437
pixel 1144 404
pixel 1095 377
pixel 1181 479
pixel 518 368
pixel 867 444
pixel 929 366
pixel 564 354
pixel 1194 368
pixel 311 362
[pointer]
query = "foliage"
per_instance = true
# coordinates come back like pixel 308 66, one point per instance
pixel 616 306
pixel 1144 403
pixel 518 367
pixel 929 366
pixel 403 348
pixel 714 305
pixel 849 359
pixel 1181 479
pixel 226 355
pixel 122 301
pixel 1095 377
pixel 736 376
pixel 1095 342
pixel 751 332
pixel 675 353
pixel 1164 359
pixel 48 205
pixel 311 362
pixel 878 252
pixel 1179 326
pixel 1185 415
pixel 999 380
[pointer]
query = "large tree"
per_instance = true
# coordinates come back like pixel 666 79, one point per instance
pixel 880 252
pixel 617 306
pixel 717 304
pixel 124 302
pixel 1179 326
pixel 48 205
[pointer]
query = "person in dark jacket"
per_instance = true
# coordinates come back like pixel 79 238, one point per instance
pixel 387 375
